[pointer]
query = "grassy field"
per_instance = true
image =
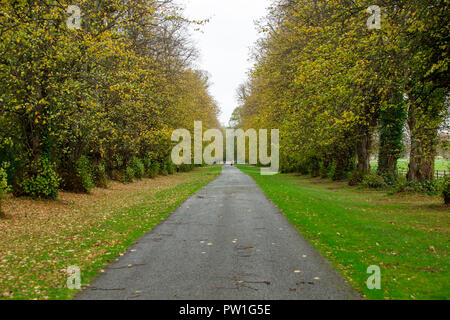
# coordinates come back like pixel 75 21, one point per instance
pixel 402 164
pixel 40 239
pixel 406 236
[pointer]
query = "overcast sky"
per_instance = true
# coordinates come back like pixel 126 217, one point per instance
pixel 225 43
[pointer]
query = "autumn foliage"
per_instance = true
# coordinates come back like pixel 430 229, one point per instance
pixel 78 106
pixel 336 88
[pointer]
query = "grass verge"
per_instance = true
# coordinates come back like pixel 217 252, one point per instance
pixel 40 239
pixel 406 236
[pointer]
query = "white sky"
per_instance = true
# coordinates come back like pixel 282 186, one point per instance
pixel 225 43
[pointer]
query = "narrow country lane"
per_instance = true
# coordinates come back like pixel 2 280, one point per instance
pixel 228 241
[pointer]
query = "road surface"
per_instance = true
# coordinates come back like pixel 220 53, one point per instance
pixel 228 241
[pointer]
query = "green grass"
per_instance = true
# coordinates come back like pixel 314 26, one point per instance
pixel 34 265
pixel 406 236
pixel 402 164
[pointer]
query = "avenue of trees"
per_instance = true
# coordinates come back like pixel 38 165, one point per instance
pixel 331 84
pixel 82 105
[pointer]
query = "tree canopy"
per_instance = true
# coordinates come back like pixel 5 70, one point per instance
pixel 330 83
pixel 113 89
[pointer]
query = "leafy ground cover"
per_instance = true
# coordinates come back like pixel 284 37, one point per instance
pixel 41 239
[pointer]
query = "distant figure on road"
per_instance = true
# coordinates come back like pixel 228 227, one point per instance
pixel 232 162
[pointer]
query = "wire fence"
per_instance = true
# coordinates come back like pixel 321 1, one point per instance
pixel 437 173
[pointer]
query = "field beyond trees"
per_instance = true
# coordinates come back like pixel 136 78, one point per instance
pixel 402 165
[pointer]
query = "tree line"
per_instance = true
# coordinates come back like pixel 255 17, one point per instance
pixel 82 105
pixel 332 85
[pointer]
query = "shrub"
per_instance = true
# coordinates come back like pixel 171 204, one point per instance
pixel 170 167
pixel 3 185
pixel 138 167
pixel 323 170
pixel 446 190
pixel 128 175
pixel 164 170
pixel 399 185
pixel 314 168
pixel 100 177
pixel 147 166
pixel 184 168
pixel 373 180
pixel 84 173
pixel 116 175
pixel 431 187
pixel 154 169
pixel 332 171
pixel 117 162
pixel 356 177
pixel 41 180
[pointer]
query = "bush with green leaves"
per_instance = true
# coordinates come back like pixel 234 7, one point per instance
pixel 433 187
pixel 170 167
pixel 323 170
pixel 164 169
pixel 430 187
pixel 154 169
pixel 128 175
pixel 83 170
pixel 356 177
pixel 41 180
pixel 446 190
pixel 332 171
pixel 100 176
pixel 138 167
pixel 373 180
pixel 183 168
pixel 4 188
pixel 147 166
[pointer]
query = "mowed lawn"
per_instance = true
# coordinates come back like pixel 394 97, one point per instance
pixel 354 228
pixel 402 165
pixel 40 239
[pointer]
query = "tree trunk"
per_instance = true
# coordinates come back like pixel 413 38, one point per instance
pixel 421 164
pixel 446 192
pixel 363 147
pixel 391 134
pixel 423 146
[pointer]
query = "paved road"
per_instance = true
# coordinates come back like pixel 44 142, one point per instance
pixel 228 241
